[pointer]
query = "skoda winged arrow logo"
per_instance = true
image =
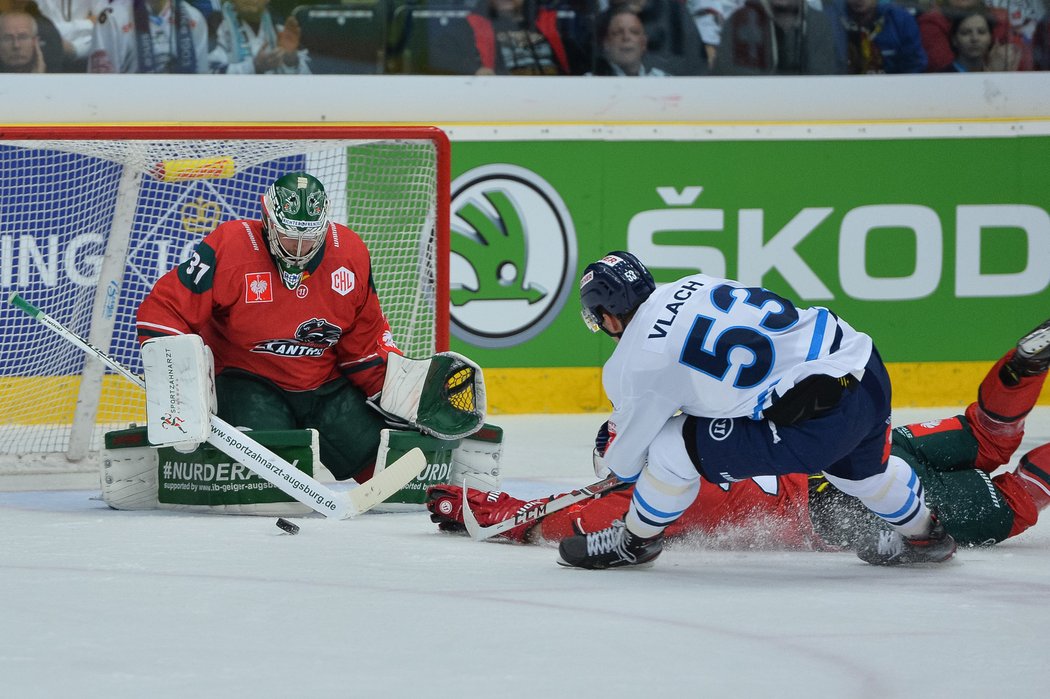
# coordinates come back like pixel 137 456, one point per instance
pixel 513 255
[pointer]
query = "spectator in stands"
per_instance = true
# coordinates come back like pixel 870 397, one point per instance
pixel 709 16
pixel 514 37
pixel 623 42
pixel 880 38
pixel 48 37
pixel 1022 15
pixel 149 36
pixel 211 11
pixel 935 29
pixel 206 7
pixel 971 38
pixel 674 43
pixel 75 22
pixel 778 37
pixel 249 40
pixel 1041 44
pixel 19 46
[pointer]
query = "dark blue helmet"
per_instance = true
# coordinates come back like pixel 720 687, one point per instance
pixel 616 284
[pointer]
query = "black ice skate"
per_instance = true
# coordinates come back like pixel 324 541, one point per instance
pixel 1033 351
pixel 889 548
pixel 614 547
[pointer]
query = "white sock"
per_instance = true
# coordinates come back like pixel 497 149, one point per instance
pixel 895 495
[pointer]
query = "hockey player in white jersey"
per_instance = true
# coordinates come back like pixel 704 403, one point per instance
pixel 711 378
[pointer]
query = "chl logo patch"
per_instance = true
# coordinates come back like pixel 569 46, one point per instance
pixel 258 287
pixel 343 281
pixel 720 429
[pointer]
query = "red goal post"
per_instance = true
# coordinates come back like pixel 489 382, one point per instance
pixel 91 216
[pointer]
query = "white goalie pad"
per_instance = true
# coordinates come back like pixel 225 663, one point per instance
pixel 393 444
pixel 129 478
pixel 443 396
pixel 137 476
pixel 477 459
pixel 180 391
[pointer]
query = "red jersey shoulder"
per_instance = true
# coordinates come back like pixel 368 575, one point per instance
pixel 241 239
pixel 346 261
pixel 234 263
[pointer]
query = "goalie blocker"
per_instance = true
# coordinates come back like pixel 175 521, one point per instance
pixel 179 372
pixel 136 475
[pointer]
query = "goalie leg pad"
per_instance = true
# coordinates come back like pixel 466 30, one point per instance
pixel 136 476
pixel 393 444
pixel 443 395
pixel 180 390
pixel 129 477
pixel 477 459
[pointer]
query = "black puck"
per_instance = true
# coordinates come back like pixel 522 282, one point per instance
pixel 290 527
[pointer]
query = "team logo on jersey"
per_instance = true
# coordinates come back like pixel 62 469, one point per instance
pixel 922 429
pixel 770 485
pixel 311 339
pixel 258 287
pixel 720 429
pixel 388 340
pixel 343 281
pixel 513 260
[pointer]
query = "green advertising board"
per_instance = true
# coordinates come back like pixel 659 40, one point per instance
pixel 938 248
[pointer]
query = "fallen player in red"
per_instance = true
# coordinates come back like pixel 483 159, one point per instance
pixel 954 458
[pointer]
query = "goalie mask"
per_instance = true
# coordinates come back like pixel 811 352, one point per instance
pixel 295 221
pixel 617 284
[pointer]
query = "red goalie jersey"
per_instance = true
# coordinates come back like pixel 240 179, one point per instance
pixel 230 293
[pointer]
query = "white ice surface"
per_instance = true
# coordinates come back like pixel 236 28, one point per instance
pixel 99 603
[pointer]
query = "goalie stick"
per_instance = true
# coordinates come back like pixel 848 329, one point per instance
pixel 257 458
pixel 535 514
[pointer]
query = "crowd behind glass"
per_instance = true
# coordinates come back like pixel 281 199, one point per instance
pixel 647 38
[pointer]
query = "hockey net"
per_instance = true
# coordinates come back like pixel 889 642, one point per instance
pixel 90 218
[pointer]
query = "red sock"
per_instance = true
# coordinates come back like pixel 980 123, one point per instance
pixel 997 417
pixel 1027 488
pixel 1034 472
pixel 1004 403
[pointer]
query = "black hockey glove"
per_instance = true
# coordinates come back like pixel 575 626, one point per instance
pixel 811 397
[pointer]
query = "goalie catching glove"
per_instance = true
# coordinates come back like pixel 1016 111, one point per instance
pixel 443 396
pixel 445 503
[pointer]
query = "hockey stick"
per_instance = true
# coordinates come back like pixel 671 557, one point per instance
pixel 535 514
pixel 257 458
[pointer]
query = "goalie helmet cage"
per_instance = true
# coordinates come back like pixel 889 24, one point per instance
pixel 92 216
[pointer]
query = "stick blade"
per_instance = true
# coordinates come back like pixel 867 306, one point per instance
pixel 387 482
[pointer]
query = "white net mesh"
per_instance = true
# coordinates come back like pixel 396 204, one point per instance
pixel 87 226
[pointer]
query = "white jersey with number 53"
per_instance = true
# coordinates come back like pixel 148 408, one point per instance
pixel 713 348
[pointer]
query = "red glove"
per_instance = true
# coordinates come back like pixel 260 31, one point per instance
pixel 445 503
